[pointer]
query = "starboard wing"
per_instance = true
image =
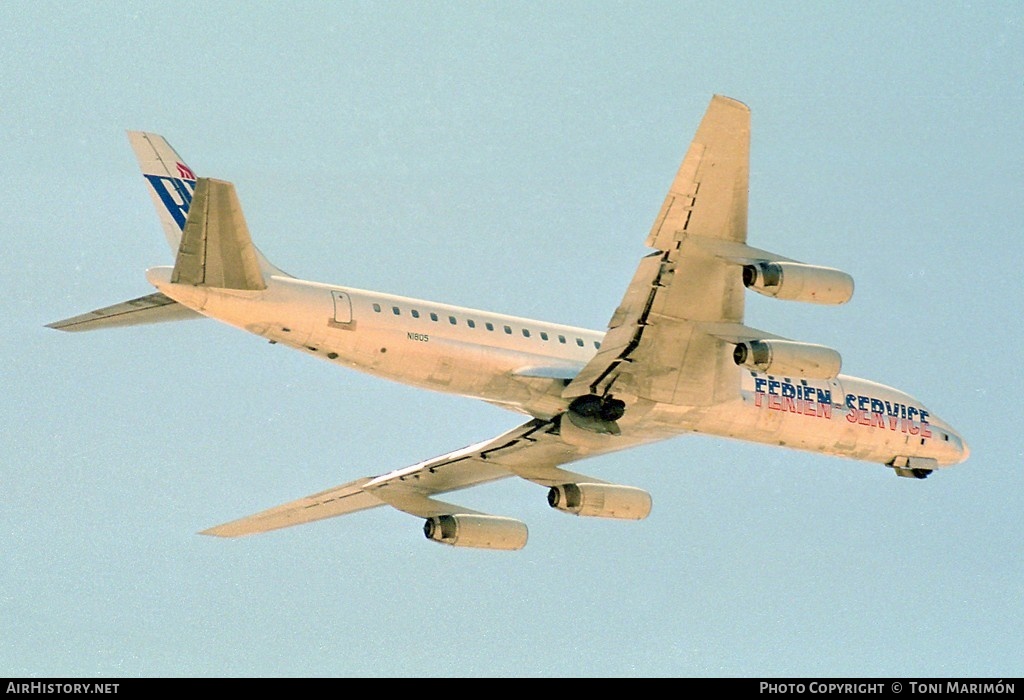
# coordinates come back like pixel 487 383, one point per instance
pixel 665 341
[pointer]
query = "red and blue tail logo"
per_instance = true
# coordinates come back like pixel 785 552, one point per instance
pixel 175 192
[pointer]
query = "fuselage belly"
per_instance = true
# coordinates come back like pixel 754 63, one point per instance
pixel 493 357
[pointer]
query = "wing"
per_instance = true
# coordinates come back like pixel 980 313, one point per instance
pixel 533 451
pixel 669 339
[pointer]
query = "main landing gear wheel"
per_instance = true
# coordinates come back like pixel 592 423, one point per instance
pixel 591 406
pixel 613 409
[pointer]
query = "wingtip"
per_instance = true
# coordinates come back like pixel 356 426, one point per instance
pixel 731 101
pixel 228 531
pixel 217 531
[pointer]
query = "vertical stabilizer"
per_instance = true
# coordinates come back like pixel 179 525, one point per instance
pixel 169 180
pixel 172 184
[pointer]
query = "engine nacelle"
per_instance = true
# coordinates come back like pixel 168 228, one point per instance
pixel 788 358
pixel 601 500
pixel 799 282
pixel 482 531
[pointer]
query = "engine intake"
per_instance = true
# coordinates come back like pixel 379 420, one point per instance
pixel 601 500
pixel 481 531
pixel 799 282
pixel 788 357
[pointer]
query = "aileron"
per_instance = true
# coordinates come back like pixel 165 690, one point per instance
pixel 342 500
pixel 709 194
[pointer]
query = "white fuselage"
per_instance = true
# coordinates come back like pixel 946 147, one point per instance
pixel 523 364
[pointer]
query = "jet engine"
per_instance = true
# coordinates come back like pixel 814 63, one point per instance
pixel 601 500
pixel 481 531
pixel 799 282
pixel 788 358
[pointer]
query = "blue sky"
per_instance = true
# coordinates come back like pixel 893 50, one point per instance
pixel 506 156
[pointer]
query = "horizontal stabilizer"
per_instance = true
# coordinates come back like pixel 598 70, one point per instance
pixel 216 250
pixel 154 308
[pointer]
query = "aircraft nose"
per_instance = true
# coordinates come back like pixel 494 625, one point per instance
pixel 965 451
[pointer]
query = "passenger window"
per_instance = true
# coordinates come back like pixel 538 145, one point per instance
pixel 433 316
pixel 490 326
pixel 579 341
pixel 597 345
pixel 471 323
pixel 526 333
pixel 396 311
pixel 451 320
pixel 561 339
pixel 508 330
pixel 376 307
pixel 543 335
pixel 415 313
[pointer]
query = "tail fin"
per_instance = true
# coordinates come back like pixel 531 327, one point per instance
pixel 231 260
pixel 170 182
pixel 172 185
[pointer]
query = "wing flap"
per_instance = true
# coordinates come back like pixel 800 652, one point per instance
pixel 624 332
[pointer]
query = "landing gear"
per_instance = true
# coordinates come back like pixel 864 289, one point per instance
pixel 613 409
pixel 913 467
pixel 590 406
pixel 591 420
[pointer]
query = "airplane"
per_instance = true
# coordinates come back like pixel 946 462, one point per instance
pixel 676 357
